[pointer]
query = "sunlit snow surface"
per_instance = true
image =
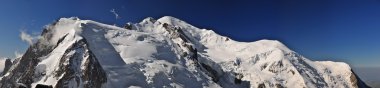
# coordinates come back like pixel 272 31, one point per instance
pixel 149 56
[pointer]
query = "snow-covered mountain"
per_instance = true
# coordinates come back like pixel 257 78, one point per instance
pixel 166 52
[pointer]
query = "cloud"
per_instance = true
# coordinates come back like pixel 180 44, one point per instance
pixel 30 39
pixel 114 13
pixel 17 54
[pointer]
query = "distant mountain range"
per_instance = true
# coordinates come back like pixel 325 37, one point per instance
pixel 166 52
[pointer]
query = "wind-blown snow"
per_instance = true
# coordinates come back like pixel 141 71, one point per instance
pixel 30 39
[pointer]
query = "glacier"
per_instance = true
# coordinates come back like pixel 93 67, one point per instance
pixel 167 52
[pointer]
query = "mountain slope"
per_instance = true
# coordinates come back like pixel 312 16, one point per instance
pixel 5 64
pixel 166 52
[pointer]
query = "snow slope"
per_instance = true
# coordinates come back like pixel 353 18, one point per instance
pixel 166 52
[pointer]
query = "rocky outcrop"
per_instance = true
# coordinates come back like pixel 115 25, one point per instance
pixel 78 65
pixel 44 86
pixel 128 26
pixel 91 76
pixel 23 71
pixel 7 66
pixel 356 81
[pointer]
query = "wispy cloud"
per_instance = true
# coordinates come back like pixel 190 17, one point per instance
pixel 30 39
pixel 17 54
pixel 114 13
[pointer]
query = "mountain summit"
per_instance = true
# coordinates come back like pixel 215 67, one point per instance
pixel 166 52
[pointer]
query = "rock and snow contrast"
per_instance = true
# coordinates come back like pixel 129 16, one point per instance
pixel 5 64
pixel 166 52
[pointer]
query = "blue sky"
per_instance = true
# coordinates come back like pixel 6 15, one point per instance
pixel 338 30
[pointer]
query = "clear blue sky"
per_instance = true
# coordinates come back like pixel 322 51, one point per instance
pixel 338 30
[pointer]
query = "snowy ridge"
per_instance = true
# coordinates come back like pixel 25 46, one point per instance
pixel 166 52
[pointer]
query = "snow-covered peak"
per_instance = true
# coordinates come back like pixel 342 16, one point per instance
pixel 170 20
pixel 54 32
pixel 273 43
pixel 167 52
pixel 176 22
pixel 148 20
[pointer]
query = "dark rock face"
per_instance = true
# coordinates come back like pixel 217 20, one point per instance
pixel 21 86
pixel 8 64
pixel 43 86
pixel 165 25
pixel 357 82
pixel 25 72
pixel 238 78
pixel 92 75
pixel 211 72
pixel 24 69
pixel 128 26
pixel 276 67
pixel 261 86
pixel 279 86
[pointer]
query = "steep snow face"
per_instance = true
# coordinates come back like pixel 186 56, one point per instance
pixel 150 59
pixel 166 52
pixel 263 63
pixel 84 53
